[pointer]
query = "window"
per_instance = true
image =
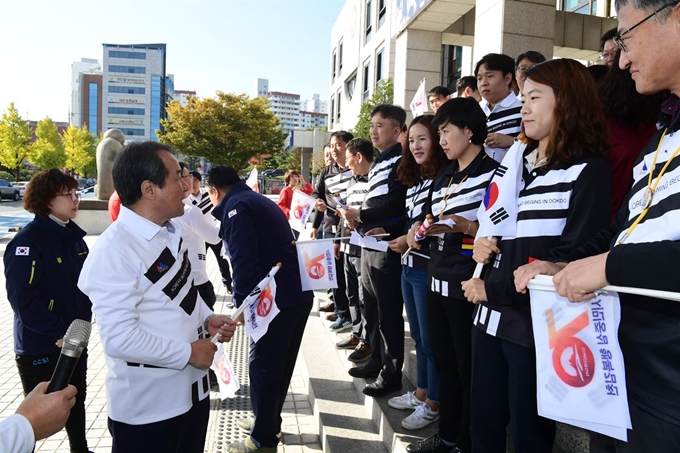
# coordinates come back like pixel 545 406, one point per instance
pixel 379 66
pixel 132 55
pixel 92 105
pixel 128 69
pixel 126 90
pixel 334 58
pixel 369 20
pixel 129 131
pixel 332 110
pixel 340 58
pixel 382 9
pixel 350 85
pixel 126 111
pixel 338 108
pixel 366 84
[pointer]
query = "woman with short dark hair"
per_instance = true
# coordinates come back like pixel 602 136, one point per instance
pixel 42 266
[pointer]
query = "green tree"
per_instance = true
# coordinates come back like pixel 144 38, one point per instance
pixel 15 135
pixel 228 129
pixel 48 150
pixel 80 150
pixel 383 94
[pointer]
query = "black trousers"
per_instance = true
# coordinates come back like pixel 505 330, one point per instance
pixel 649 434
pixel 182 434
pixel 504 390
pixel 34 369
pixel 355 296
pixel 272 360
pixel 450 322
pixel 222 263
pixel 383 307
pixel 207 292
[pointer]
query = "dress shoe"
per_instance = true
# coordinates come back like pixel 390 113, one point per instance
pixel 433 444
pixel 350 342
pixel 381 387
pixel 328 307
pixel 361 353
pixel 332 317
pixel 367 371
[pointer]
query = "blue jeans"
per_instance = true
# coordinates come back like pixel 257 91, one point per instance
pixel 414 288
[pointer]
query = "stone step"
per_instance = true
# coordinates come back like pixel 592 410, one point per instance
pixel 384 422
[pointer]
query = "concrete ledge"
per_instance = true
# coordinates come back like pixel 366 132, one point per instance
pixel 93 216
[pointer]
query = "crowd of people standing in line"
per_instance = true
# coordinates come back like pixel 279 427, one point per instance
pixel 573 135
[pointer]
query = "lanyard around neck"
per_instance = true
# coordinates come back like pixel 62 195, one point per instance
pixel 648 194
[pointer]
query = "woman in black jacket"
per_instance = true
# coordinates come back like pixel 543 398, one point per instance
pixel 42 266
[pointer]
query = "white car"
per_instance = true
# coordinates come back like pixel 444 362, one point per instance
pixel 21 185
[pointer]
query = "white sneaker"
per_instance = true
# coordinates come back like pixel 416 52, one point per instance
pixel 420 418
pixel 408 400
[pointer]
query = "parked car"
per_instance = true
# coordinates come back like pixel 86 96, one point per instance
pixel 273 172
pixel 7 190
pixel 87 190
pixel 22 185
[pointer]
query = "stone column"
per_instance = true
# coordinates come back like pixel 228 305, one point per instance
pixel 418 54
pixel 514 26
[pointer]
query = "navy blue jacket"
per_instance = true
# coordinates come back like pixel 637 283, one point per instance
pixel 42 266
pixel 257 236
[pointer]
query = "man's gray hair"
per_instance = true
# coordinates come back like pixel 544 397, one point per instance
pixel 649 6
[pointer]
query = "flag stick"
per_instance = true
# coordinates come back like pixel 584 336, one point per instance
pixel 419 254
pixel 321 240
pixel 478 269
pixel 544 282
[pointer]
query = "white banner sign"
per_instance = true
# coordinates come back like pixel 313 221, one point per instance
pixel 579 365
pixel 317 265
pixel 119 79
pixel 121 100
pixel 131 122
pixel 300 208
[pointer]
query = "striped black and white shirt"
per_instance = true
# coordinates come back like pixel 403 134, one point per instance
pixel 416 197
pixel 202 201
pixel 506 119
pixel 356 191
pixel 332 180
pixel 559 209
pixel 386 198
pixel 451 255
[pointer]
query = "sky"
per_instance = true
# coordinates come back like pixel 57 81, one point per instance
pixel 212 45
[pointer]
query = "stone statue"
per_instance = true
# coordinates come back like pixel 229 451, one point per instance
pixel 107 150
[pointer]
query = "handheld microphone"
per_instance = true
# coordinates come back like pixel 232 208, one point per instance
pixel 75 341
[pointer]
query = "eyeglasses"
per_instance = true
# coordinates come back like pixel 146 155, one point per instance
pixel 607 55
pixel 618 39
pixel 524 68
pixel 75 196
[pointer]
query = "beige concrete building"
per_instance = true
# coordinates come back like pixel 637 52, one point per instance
pixel 440 40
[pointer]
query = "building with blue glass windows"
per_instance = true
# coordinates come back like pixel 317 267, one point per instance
pixel 134 89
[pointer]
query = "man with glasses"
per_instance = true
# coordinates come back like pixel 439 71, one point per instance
pixel 523 63
pixel 200 198
pixel 642 247
pixel 437 96
pixel 608 47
